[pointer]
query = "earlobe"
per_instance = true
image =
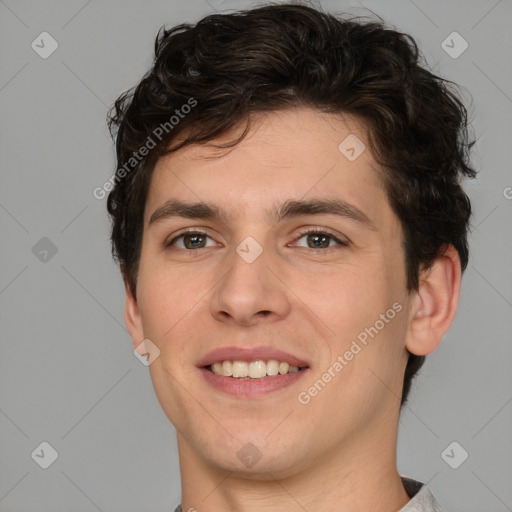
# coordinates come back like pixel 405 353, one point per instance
pixel 132 318
pixel 435 303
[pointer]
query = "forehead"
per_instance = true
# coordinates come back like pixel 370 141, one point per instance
pixel 292 154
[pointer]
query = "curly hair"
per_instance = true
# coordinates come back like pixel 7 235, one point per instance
pixel 213 75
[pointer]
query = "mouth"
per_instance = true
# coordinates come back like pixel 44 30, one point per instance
pixel 251 373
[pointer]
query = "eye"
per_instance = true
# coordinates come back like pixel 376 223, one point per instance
pixel 190 240
pixel 320 239
pixel 316 238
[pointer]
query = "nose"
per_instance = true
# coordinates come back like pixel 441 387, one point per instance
pixel 250 291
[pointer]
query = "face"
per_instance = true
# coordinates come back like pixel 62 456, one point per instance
pixel 274 278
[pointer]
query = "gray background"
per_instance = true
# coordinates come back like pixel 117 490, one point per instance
pixel 68 375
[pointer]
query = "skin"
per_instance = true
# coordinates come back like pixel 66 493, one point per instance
pixel 337 452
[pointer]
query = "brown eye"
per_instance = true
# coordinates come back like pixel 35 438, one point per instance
pixel 192 240
pixel 320 239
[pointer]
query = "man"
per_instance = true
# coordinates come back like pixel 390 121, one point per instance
pixel 291 230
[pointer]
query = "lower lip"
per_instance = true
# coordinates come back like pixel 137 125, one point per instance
pixel 251 388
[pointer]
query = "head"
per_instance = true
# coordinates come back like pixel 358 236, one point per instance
pixel 247 110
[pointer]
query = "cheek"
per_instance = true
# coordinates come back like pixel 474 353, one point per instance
pixel 165 299
pixel 360 312
pixel 346 299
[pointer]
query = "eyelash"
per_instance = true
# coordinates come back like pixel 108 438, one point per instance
pixel 310 231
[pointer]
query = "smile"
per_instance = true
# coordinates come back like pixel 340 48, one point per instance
pixel 252 370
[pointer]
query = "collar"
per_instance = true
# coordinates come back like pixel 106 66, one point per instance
pixel 422 499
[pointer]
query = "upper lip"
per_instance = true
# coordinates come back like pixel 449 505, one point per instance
pixel 263 353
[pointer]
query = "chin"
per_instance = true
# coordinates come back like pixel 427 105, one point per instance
pixel 255 459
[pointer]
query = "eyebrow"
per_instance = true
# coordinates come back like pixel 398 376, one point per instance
pixel 206 211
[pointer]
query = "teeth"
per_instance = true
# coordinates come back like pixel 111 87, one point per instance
pixel 257 369
pixel 283 368
pixel 240 369
pixel 273 367
pixel 217 368
pixel 253 370
pixel 227 368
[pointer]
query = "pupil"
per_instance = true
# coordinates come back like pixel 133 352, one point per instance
pixel 192 237
pixel 316 237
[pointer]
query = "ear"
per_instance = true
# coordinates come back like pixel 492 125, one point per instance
pixel 132 317
pixel 435 303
